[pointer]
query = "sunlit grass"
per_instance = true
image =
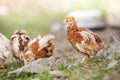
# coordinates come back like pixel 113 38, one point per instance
pixel 65 69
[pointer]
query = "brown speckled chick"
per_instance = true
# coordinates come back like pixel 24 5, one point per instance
pixel 19 42
pixel 86 42
pixel 39 47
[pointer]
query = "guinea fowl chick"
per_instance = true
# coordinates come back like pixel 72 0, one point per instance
pixel 86 42
pixel 5 50
pixel 40 47
pixel 19 43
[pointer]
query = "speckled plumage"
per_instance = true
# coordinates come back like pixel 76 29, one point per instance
pixel 83 40
pixel 19 43
pixel 39 47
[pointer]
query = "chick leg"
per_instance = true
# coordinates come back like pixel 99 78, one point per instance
pixel 85 58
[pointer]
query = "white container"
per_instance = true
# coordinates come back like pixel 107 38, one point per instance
pixel 91 19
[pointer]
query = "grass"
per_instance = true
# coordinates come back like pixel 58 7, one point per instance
pixel 116 57
pixel 95 69
pixel 100 75
pixel 45 75
pixel 10 67
pixel 65 69
pixel 25 76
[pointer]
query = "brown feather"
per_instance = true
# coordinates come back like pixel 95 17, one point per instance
pixel 82 39
pixel 35 51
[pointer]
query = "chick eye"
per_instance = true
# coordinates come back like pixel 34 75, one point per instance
pixel 28 60
pixel 66 20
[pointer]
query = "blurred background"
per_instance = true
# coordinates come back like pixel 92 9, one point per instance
pixel 43 16
pixel 46 16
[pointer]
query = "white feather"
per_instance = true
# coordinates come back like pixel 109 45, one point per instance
pixel 86 35
pixel 15 43
pixel 79 46
pixel 45 39
pixel 5 47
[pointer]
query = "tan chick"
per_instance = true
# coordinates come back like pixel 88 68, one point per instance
pixel 39 47
pixel 19 43
pixel 5 50
pixel 86 42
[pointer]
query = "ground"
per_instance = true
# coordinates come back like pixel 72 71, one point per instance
pixel 95 69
